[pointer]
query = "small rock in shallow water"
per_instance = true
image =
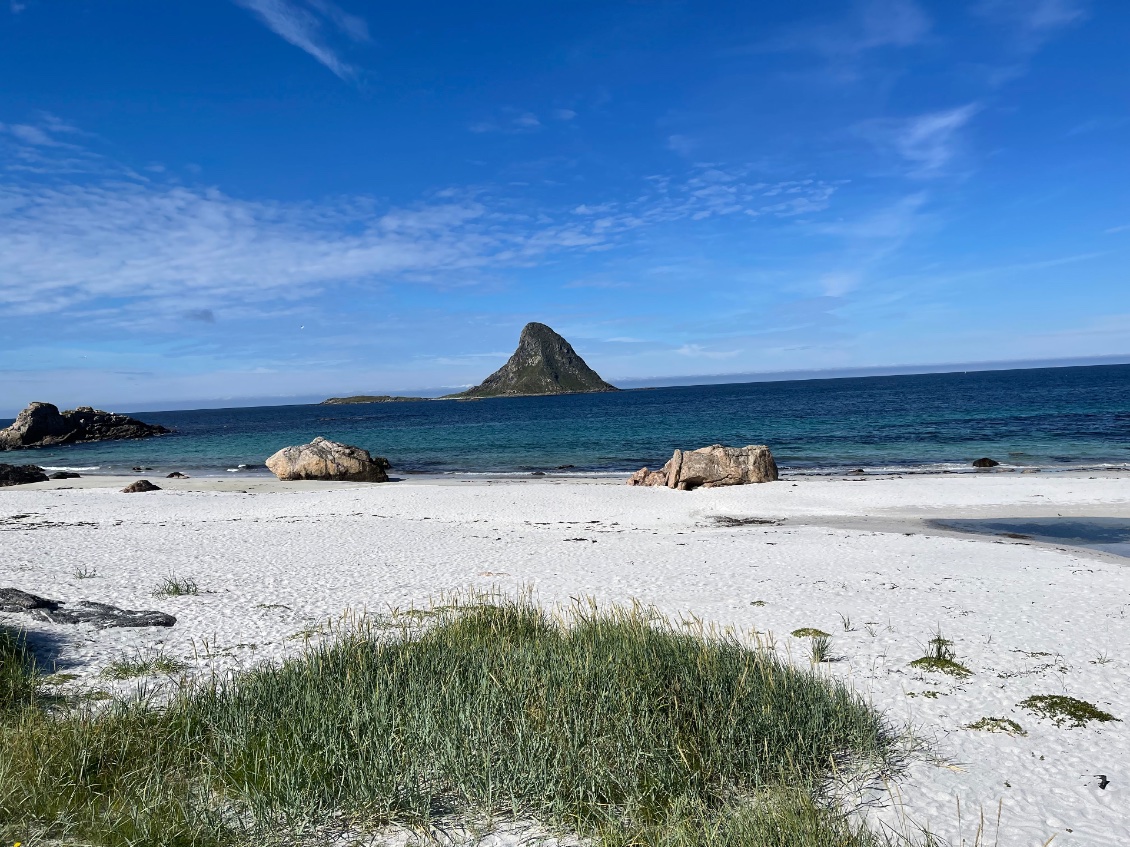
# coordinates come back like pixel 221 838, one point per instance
pixel 65 475
pixel 21 474
pixel 985 463
pixel 140 486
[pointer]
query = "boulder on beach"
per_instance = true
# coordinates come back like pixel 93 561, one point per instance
pixel 66 475
pixel 985 463
pixel 100 615
pixel 140 487
pixel 176 475
pixel 43 425
pixel 711 467
pixel 21 474
pixel 328 460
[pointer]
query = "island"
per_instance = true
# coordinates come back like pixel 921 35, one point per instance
pixel 369 398
pixel 544 363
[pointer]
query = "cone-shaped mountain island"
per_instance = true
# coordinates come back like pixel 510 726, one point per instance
pixel 544 363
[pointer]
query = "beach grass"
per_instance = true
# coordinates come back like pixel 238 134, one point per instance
pixel 612 725
pixel 172 586
pixel 18 677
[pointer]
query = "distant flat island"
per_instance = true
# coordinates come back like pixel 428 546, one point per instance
pixel 369 398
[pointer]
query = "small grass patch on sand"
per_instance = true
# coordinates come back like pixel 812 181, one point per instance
pixel 1066 710
pixel 1006 725
pixel 941 658
pixel 609 725
pixel 140 666
pixel 172 586
pixel 810 632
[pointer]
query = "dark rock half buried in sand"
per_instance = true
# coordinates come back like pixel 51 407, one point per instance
pixel 711 467
pixel 21 475
pixel 544 363
pixel 43 425
pixel 140 487
pixel 328 460
pixel 100 615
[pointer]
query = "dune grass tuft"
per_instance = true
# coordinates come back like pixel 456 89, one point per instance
pixel 172 586
pixel 610 725
pixel 18 677
pixel 139 666
pixel 941 658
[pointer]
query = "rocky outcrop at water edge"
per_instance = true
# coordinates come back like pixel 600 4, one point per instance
pixel 43 425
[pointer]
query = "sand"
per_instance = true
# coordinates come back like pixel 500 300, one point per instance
pixel 856 557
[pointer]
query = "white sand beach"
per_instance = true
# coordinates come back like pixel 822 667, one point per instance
pixel 854 557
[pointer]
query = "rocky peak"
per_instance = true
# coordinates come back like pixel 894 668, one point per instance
pixel 544 363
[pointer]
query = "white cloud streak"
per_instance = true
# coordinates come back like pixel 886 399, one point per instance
pixel 927 142
pixel 306 26
pixel 1033 21
pixel 110 243
pixel 873 24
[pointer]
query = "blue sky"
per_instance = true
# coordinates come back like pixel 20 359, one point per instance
pixel 230 199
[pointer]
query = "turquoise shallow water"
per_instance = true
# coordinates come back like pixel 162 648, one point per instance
pixel 1047 418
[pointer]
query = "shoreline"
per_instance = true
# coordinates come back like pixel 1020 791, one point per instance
pixel 786 472
pixel 279 565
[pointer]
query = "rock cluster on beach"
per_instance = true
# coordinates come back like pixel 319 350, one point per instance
pixel 544 363
pixel 100 615
pixel 711 467
pixel 43 425
pixel 328 460
pixel 21 475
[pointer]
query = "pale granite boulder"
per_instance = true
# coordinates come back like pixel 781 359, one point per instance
pixel 711 467
pixel 329 460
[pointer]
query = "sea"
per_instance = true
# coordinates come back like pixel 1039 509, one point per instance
pixel 1072 418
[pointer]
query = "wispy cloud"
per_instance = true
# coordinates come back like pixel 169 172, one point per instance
pixel 871 25
pixel 309 26
pixel 697 351
pixel 511 120
pixel 1033 21
pixel 149 245
pixel 927 142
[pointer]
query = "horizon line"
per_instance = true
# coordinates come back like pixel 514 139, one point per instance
pixel 637 383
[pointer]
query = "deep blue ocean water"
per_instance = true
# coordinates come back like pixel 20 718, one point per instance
pixel 1047 418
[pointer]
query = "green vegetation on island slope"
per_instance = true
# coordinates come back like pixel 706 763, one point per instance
pixel 612 725
pixel 369 398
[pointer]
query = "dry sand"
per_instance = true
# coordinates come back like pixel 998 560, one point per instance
pixel 854 557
